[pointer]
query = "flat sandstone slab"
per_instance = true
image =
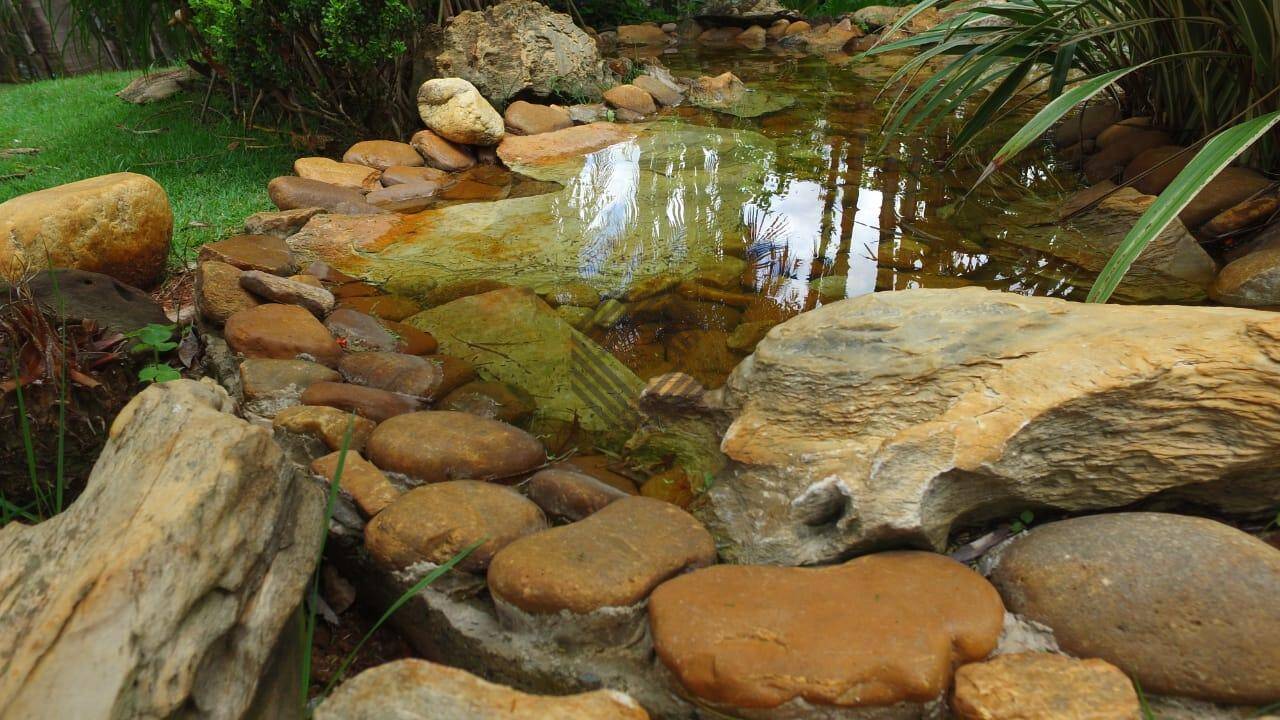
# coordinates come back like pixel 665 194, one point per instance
pixel 876 631
pixel 613 558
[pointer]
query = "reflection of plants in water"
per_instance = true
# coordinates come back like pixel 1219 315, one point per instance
pixel 764 237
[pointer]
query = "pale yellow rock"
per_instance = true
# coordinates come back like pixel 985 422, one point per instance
pixel 894 415
pixel 419 690
pixel 165 586
pixel 361 177
pixel 1043 686
pixel 119 225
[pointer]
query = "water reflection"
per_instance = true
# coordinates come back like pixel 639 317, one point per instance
pixel 709 228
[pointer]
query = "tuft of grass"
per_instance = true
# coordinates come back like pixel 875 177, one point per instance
pixel 214 171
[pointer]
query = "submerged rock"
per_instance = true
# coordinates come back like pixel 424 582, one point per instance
pixel 727 94
pixel 419 690
pixel 520 340
pixel 861 403
pixel 1185 606
pixel 520 47
pixel 882 631
pixel 171 580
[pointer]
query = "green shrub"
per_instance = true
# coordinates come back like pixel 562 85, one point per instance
pixel 328 62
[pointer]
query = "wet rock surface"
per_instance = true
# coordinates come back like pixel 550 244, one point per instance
pixel 407 375
pixel 876 631
pixel 271 385
pixel 372 403
pixel 252 252
pixel 420 690
pixel 1183 605
pixel 986 409
pixel 434 446
pixel 613 558
pixel 570 496
pixel 433 523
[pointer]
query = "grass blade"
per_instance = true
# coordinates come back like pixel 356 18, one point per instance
pixel 399 603
pixel 1204 167
pixel 313 599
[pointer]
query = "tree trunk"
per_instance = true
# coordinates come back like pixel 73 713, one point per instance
pixel 41 34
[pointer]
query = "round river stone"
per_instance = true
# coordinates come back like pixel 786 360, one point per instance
pixel 433 523
pixel 1043 685
pixel 282 332
pixel 434 446
pixel 878 630
pixel 1185 606
pixel 613 558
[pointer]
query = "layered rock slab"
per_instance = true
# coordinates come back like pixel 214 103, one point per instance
pixel 156 594
pixel 875 632
pixel 1186 606
pixel 420 690
pixel 891 418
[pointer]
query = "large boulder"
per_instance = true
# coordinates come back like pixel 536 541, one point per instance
pixel 119 225
pixel 165 588
pixel 419 690
pixel 1185 606
pixel 520 47
pixel 892 417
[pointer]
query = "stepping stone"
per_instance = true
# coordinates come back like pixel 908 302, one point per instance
pixel 408 375
pixel 382 154
pixel 283 332
pixel 401 175
pixel 367 486
pixel 252 252
pixel 1185 606
pixel 377 405
pixel 386 307
pixel 272 385
pixel 414 689
pixel 600 468
pixel 329 425
pixel 525 118
pixel 435 446
pixel 276 289
pixel 360 177
pixel 1043 686
pixel 280 224
pixel 433 523
pixel 360 332
pixel 408 197
pixel 612 559
pixel 630 97
pixel 665 94
pixel 570 496
pixel 493 400
pixel 876 631
pixel 290 193
pixel 442 154
pixel 547 148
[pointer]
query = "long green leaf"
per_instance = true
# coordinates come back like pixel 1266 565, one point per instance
pixel 408 595
pixel 1203 168
pixel 1052 113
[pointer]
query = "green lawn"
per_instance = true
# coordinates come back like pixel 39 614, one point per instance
pixel 214 172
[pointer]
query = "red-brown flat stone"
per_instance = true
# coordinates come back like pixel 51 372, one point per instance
pixel 377 405
pixel 283 332
pixel 437 446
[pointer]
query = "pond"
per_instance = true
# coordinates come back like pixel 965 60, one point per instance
pixel 678 249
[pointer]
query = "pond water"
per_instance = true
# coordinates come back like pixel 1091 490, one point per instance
pixel 678 249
